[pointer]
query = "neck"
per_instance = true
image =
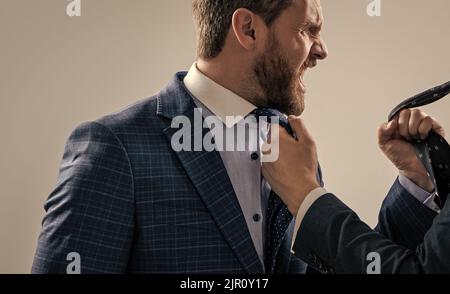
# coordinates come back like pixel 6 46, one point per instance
pixel 232 76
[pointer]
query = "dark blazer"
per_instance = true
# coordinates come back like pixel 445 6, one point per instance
pixel 410 238
pixel 127 203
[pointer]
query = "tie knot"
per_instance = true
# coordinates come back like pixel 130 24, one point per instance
pixel 266 112
pixel 269 113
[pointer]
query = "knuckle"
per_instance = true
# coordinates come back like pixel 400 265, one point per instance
pixel 416 112
pixel 405 112
pixel 380 129
pixel 427 120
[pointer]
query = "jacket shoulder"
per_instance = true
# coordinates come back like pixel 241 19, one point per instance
pixel 142 114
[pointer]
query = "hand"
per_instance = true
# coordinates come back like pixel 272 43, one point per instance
pixel 293 175
pixel 393 141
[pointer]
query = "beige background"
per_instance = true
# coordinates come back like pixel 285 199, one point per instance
pixel 56 72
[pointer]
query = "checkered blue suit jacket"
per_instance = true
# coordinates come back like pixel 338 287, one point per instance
pixel 127 203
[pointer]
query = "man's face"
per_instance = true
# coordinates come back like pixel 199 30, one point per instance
pixel 293 46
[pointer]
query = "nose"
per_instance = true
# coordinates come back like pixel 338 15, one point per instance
pixel 319 50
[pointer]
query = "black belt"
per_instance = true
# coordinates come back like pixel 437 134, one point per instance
pixel 434 151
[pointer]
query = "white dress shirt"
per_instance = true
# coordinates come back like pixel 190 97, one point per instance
pixel 243 169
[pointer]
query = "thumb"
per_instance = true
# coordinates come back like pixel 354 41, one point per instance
pixel 387 131
pixel 299 128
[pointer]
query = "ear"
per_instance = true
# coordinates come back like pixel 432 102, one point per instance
pixel 244 23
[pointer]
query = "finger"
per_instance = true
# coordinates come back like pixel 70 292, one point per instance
pixel 265 170
pixel 415 120
pixel 403 123
pixel 274 130
pixel 265 148
pixel 299 128
pixel 427 124
pixel 387 131
pixel 279 134
pixel 383 132
pixel 266 166
pixel 396 134
pixel 438 128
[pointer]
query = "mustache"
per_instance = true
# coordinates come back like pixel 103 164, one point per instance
pixel 309 63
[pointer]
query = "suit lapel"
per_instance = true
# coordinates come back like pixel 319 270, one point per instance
pixel 209 176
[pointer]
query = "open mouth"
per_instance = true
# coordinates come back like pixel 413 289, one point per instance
pixel 306 65
pixel 301 81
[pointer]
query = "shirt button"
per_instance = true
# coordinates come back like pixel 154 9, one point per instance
pixel 256 217
pixel 255 156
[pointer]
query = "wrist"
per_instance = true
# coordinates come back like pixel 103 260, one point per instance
pixel 301 194
pixel 420 179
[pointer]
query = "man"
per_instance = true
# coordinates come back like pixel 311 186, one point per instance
pixel 126 201
pixel 331 238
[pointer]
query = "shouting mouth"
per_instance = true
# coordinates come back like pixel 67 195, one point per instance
pixel 301 81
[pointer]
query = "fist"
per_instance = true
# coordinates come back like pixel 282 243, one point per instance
pixel 393 140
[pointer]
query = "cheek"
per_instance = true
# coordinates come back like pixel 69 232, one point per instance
pixel 298 52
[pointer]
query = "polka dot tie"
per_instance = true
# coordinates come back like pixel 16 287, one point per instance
pixel 434 151
pixel 278 216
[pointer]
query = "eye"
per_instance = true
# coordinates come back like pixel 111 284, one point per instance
pixel 313 31
pixel 304 32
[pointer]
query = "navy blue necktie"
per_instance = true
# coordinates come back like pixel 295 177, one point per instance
pixel 434 151
pixel 278 216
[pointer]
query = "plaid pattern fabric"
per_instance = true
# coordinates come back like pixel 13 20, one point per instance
pixel 127 203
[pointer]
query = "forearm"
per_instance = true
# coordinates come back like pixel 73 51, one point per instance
pixel 332 237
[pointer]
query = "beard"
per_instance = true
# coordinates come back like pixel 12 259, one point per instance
pixel 280 84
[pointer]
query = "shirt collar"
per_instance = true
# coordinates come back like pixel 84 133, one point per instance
pixel 220 101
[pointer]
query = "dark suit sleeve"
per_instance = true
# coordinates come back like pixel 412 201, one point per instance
pixel 298 266
pixel 333 239
pixel 403 219
pixel 91 210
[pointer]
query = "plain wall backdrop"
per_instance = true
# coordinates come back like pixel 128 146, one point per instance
pixel 57 71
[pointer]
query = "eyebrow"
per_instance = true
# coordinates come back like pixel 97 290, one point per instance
pixel 312 23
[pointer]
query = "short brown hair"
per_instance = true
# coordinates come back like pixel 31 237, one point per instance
pixel 213 20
